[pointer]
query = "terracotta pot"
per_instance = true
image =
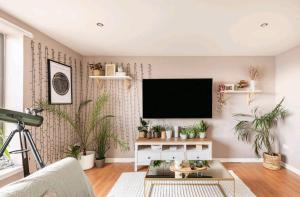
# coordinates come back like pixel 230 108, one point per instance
pixel 272 162
pixel 163 135
pixel 100 162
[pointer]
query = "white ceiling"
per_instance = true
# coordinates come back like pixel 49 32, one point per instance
pixel 165 27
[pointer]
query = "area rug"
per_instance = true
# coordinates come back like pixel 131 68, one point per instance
pixel 131 184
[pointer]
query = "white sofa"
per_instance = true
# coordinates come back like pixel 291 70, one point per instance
pixel 64 178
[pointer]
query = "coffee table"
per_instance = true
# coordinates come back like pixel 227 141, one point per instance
pixel 216 181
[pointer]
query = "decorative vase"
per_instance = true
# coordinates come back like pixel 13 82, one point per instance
pixel 87 161
pixel 202 135
pixel 183 136
pixel 252 85
pixel 176 132
pixel 100 162
pixel 272 162
pixel 141 134
pixel 163 135
pixel 169 134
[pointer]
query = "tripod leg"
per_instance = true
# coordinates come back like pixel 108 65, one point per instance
pixel 35 151
pixel 6 143
pixel 25 159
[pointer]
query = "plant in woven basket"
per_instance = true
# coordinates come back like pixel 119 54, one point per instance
pixel 261 127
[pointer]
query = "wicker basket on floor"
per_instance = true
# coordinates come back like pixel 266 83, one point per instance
pixel 272 162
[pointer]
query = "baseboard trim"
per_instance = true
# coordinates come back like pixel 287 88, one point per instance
pixel 291 168
pixel 242 160
pixel 119 160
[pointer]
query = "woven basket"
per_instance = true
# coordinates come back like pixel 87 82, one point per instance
pixel 272 162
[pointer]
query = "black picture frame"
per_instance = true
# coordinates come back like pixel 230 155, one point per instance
pixel 51 92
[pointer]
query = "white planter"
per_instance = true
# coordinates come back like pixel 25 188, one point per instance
pixel 168 134
pixel 87 161
pixel 252 85
pixel 183 136
pixel 202 135
pixel 176 133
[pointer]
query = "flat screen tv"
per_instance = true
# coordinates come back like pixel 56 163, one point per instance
pixel 177 98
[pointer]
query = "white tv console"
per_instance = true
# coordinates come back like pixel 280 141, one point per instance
pixel 172 149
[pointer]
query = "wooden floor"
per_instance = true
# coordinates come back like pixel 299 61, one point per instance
pixel 263 182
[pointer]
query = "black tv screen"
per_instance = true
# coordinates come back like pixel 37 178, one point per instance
pixel 177 98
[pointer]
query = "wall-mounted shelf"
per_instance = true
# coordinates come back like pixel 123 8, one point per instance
pixel 250 93
pixel 127 79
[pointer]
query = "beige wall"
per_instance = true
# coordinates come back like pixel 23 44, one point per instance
pixel 221 69
pixel 51 141
pixel 287 85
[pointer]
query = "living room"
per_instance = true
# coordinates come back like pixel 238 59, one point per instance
pixel 149 98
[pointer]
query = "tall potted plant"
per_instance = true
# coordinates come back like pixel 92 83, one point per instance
pixel 83 129
pixel 261 127
pixel 103 137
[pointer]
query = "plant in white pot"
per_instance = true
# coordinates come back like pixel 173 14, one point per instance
pixel 183 133
pixel 253 74
pixel 103 137
pixel 201 128
pixel 261 126
pixel 83 129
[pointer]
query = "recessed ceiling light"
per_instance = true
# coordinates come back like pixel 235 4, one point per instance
pixel 264 25
pixel 100 24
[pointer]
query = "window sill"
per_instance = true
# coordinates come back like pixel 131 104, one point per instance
pixel 10 171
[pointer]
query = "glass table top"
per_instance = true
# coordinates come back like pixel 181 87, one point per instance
pixel 160 169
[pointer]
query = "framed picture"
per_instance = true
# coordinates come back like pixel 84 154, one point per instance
pixel 229 87
pixel 110 70
pixel 59 83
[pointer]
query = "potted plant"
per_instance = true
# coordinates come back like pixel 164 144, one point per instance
pixel 97 69
pixel 156 131
pixel 183 133
pixel 191 133
pixel 143 128
pixel 73 151
pixel 201 129
pixel 103 137
pixel 261 127
pixel 83 129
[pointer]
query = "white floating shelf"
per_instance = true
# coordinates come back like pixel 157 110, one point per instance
pixel 111 77
pixel 241 91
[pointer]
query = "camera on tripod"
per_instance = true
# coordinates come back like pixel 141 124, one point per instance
pixel 30 118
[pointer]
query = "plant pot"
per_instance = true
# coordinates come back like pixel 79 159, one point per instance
pixel 156 135
pixel 252 85
pixel 141 134
pixel 191 135
pixel 100 162
pixel 169 134
pixel 183 136
pixel 163 135
pixel 202 135
pixel 272 162
pixel 149 136
pixel 87 161
pixel 176 132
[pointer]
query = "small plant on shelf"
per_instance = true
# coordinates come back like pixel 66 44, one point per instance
pixel 191 133
pixel 201 128
pixel 261 127
pixel 143 128
pixel 183 133
pixel 97 69
pixel 157 130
